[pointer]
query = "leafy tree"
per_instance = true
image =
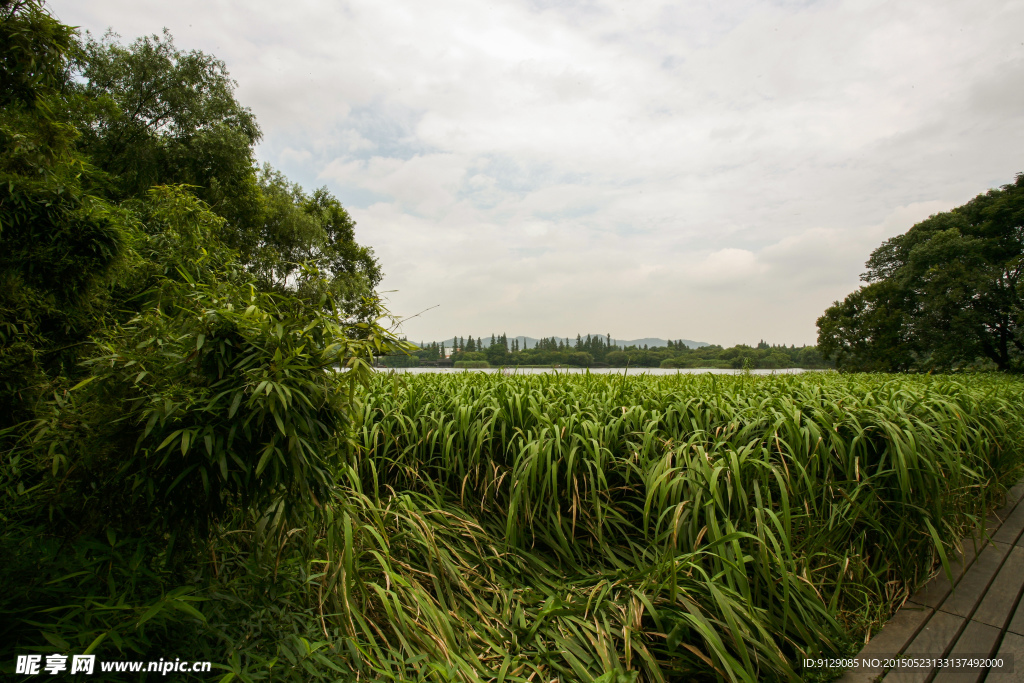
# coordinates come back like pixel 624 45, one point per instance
pixel 947 293
pixel 151 386
pixel 229 379
pixel 580 358
pixel 869 331
pixel 156 115
pixel 33 58
pixel 152 114
pixel 315 229
pixel 616 358
pixel 60 244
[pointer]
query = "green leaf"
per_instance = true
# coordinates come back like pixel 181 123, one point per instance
pixel 235 402
pixel 150 613
pixel 81 384
pixel 183 606
pixel 56 641
pixel 96 642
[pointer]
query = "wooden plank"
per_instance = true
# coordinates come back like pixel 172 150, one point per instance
pixel 997 605
pixel 894 637
pixel 1017 621
pixel 977 640
pixel 935 591
pixel 986 589
pixel 898 632
pixel 1013 496
pixel 1011 647
pixel 1011 529
pixel 969 591
pixel 933 641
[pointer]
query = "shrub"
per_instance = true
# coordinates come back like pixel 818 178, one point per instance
pixel 472 364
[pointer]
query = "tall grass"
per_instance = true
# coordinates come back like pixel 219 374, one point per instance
pixel 541 527
pixel 485 527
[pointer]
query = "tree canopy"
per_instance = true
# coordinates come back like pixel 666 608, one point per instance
pixel 181 333
pixel 152 114
pixel 946 294
pixel 87 129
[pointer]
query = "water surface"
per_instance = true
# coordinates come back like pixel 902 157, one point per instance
pixel 512 370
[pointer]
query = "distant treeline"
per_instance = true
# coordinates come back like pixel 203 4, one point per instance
pixel 597 351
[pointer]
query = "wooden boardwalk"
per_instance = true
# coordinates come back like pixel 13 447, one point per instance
pixel 980 614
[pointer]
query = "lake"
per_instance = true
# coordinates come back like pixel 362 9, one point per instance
pixel 601 371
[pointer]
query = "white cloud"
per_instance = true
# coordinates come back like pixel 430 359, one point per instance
pixel 424 184
pixel 725 267
pixel 716 171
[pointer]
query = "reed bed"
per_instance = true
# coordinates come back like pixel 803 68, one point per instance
pixel 548 527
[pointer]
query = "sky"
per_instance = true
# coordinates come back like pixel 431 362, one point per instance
pixel 709 170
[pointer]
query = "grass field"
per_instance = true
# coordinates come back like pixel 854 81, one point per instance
pixel 652 528
pixel 541 527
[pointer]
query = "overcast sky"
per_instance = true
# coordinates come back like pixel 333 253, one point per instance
pixel 715 170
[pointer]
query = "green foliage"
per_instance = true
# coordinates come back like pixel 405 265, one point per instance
pixel 100 594
pixel 151 114
pixel 601 352
pixel 580 359
pixel 199 461
pixel 869 331
pixel 33 50
pixel 947 294
pixel 675 528
pixel 315 229
pixel 232 398
pixel 154 115
pixel 216 404
pixel 472 364
pixel 86 132
pixel 402 361
pixel 156 398
pixel 215 393
pixel 60 244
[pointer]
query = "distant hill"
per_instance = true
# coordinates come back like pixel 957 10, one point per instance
pixel 530 342
pixel 650 342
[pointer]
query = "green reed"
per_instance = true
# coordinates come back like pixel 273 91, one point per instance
pixel 585 527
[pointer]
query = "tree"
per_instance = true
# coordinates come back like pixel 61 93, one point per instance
pixel 151 389
pixel 151 114
pixel 60 243
pixel 946 294
pixel 294 228
pixel 156 115
pixel 36 47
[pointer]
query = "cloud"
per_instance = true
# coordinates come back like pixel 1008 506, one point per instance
pixel 724 267
pixel 423 184
pixel 715 171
